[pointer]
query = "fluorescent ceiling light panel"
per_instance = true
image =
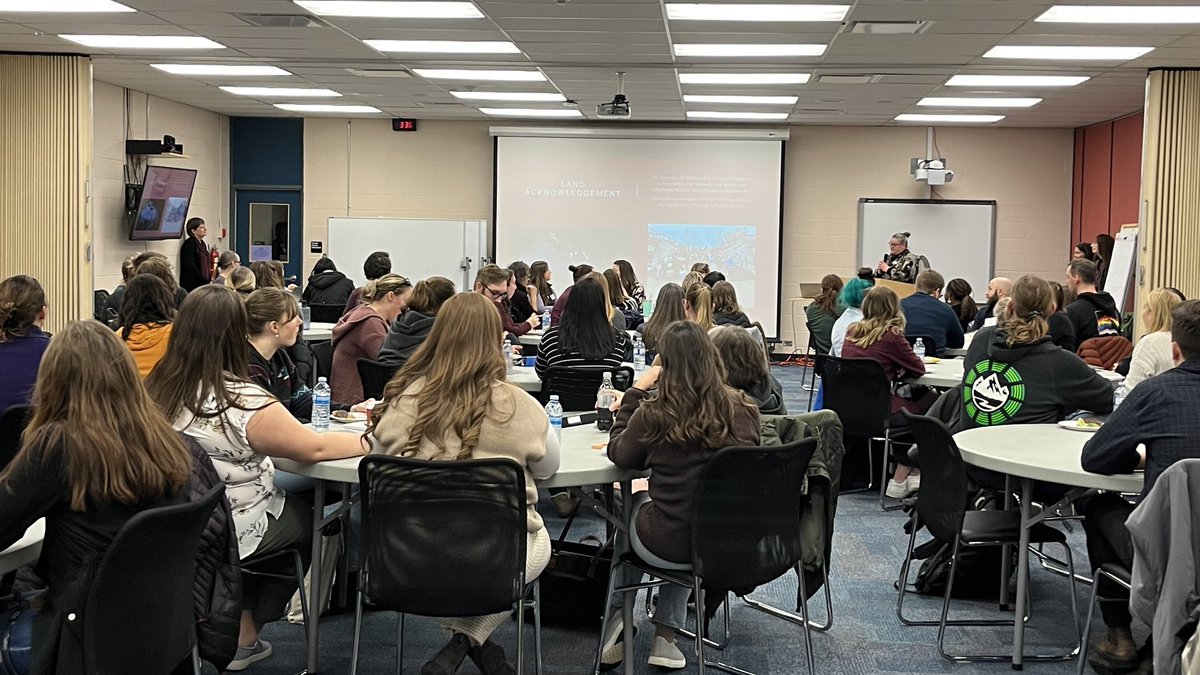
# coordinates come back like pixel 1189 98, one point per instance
pixel 531 112
pixel 481 75
pixel 1121 14
pixel 687 11
pixel 958 119
pixel 217 69
pixel 743 78
pixel 445 46
pixel 62 6
pixel 1073 53
pixel 263 92
pixel 715 115
pixel 760 100
pixel 1016 80
pixel 144 41
pixel 392 10
pixel 527 96
pixel 978 102
pixel 734 50
pixel 326 108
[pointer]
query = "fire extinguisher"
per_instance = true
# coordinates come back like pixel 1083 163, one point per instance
pixel 213 255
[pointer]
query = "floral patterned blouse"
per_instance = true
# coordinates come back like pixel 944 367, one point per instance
pixel 249 476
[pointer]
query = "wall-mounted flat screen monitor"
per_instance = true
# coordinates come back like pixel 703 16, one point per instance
pixel 163 207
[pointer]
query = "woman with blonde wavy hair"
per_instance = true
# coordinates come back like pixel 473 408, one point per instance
pixel 1152 353
pixel 698 305
pixel 450 401
pixel 880 336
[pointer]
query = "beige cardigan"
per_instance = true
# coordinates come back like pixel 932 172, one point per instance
pixel 515 428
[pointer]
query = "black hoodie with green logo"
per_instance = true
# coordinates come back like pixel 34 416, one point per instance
pixel 1035 383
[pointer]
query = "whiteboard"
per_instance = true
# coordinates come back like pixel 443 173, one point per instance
pixel 958 237
pixel 419 248
pixel 1120 269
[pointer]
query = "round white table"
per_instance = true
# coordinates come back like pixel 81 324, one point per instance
pixel 951 352
pixel 531 339
pixel 25 550
pixel 944 374
pixel 580 464
pixel 318 332
pixel 526 377
pixel 1029 452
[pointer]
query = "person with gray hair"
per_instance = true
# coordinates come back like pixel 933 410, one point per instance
pixel 226 263
pixel 900 264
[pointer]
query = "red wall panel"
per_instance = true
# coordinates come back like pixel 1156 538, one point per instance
pixel 1097 175
pixel 1077 190
pixel 1125 187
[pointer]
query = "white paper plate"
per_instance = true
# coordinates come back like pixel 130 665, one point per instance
pixel 350 418
pixel 1070 424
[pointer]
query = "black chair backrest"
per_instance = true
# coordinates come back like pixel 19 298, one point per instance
pixel 576 386
pixel 746 518
pixel 942 500
pixel 374 376
pixel 930 345
pixel 99 300
pixel 323 351
pixel 442 538
pixel 150 632
pixel 326 313
pixel 858 391
pixel 13 421
pixel 760 336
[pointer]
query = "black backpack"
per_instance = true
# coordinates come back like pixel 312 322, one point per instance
pixel 978 569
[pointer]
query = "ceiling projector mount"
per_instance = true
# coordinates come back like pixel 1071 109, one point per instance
pixel 618 108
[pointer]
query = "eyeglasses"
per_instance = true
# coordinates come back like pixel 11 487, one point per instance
pixel 496 294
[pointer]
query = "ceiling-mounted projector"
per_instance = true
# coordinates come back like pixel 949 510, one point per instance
pixel 618 108
pixel 932 171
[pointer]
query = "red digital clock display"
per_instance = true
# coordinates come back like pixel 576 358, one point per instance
pixel 401 124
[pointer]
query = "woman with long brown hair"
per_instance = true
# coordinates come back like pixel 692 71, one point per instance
pixel 880 336
pixel 540 291
pixel 668 308
pixel 611 308
pixel 629 280
pixel 698 305
pixel 726 310
pixel 360 333
pixel 677 415
pixel 158 265
pixel 747 369
pixel 823 312
pixel 450 402
pixel 202 387
pixel 618 295
pixel 145 320
pixel 22 340
pixel 95 453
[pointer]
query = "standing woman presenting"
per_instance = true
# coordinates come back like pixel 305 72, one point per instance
pixel 195 262
pixel 900 264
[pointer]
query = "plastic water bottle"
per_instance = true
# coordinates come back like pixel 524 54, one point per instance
pixel 604 398
pixel 508 356
pixel 647 308
pixel 1119 396
pixel 555 412
pixel 320 406
pixel 546 319
pixel 919 349
pixel 306 317
pixel 639 354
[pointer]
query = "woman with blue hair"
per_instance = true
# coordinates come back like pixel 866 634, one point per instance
pixel 850 299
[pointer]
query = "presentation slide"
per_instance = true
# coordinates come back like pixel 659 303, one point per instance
pixel 163 209
pixel 661 204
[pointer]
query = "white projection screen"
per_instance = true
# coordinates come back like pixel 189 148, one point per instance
pixel 661 204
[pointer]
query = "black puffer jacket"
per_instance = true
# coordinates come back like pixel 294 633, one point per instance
pixel 217 590
pixel 327 286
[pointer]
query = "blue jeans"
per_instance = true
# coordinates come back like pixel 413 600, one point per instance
pixel 672 599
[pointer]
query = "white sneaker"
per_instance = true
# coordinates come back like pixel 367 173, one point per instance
pixel 246 656
pixel 666 655
pixel 612 651
pixel 898 490
pixel 913 482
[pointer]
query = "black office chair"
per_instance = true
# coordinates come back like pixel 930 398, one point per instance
pixel 326 313
pixel 760 334
pixel 444 539
pixel 13 421
pixel 576 386
pixel 941 507
pixel 99 300
pixel 858 391
pixel 323 351
pixel 930 345
pixel 1114 573
pixel 745 532
pixel 155 549
pixel 374 376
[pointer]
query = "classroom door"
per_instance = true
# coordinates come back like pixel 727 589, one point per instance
pixel 268 225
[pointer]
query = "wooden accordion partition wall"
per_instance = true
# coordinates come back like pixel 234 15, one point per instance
pixel 45 157
pixel 1170 224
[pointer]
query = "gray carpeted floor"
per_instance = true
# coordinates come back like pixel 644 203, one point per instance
pixel 869 545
